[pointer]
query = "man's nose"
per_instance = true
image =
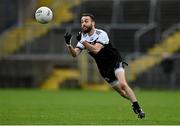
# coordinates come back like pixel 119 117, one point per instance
pixel 83 24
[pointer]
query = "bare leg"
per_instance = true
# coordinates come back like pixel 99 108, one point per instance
pixel 124 86
pixel 121 92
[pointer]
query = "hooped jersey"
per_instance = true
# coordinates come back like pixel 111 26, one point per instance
pixel 108 57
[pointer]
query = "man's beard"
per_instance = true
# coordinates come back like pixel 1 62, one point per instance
pixel 88 29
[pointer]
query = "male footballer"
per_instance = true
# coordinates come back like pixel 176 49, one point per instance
pixel 108 59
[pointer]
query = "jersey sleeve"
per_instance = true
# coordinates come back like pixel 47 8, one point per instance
pixel 103 38
pixel 80 46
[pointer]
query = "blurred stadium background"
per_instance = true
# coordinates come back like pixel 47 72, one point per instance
pixel 34 56
pixel 146 32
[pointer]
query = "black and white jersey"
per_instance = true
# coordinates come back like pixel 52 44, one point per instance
pixel 107 58
pixel 98 36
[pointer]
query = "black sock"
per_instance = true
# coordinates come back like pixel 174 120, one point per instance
pixel 136 105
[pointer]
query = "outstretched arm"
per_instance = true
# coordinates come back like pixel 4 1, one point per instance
pixel 74 51
pixel 93 48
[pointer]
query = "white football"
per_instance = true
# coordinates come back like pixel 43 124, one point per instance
pixel 43 15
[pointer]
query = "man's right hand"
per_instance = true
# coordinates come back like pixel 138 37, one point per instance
pixel 67 38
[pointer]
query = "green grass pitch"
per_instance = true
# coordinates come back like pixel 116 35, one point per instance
pixel 86 107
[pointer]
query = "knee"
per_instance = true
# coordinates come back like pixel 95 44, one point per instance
pixel 123 86
pixel 121 92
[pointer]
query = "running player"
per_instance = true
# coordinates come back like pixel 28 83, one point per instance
pixel 108 59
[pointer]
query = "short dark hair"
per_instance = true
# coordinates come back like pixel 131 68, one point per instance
pixel 88 14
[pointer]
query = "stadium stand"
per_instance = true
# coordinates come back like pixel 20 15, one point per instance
pixel 57 78
pixel 123 39
pixel 51 43
pixel 169 13
pixel 134 11
pixel 16 37
pixel 135 28
pixel 154 57
pixel 6 8
pixel 103 12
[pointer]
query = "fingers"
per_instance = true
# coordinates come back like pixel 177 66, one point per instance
pixel 67 34
pixel 67 38
pixel 78 36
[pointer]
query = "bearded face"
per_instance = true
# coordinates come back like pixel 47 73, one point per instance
pixel 86 24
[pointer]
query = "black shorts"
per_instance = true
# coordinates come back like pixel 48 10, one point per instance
pixel 110 76
pixel 108 59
